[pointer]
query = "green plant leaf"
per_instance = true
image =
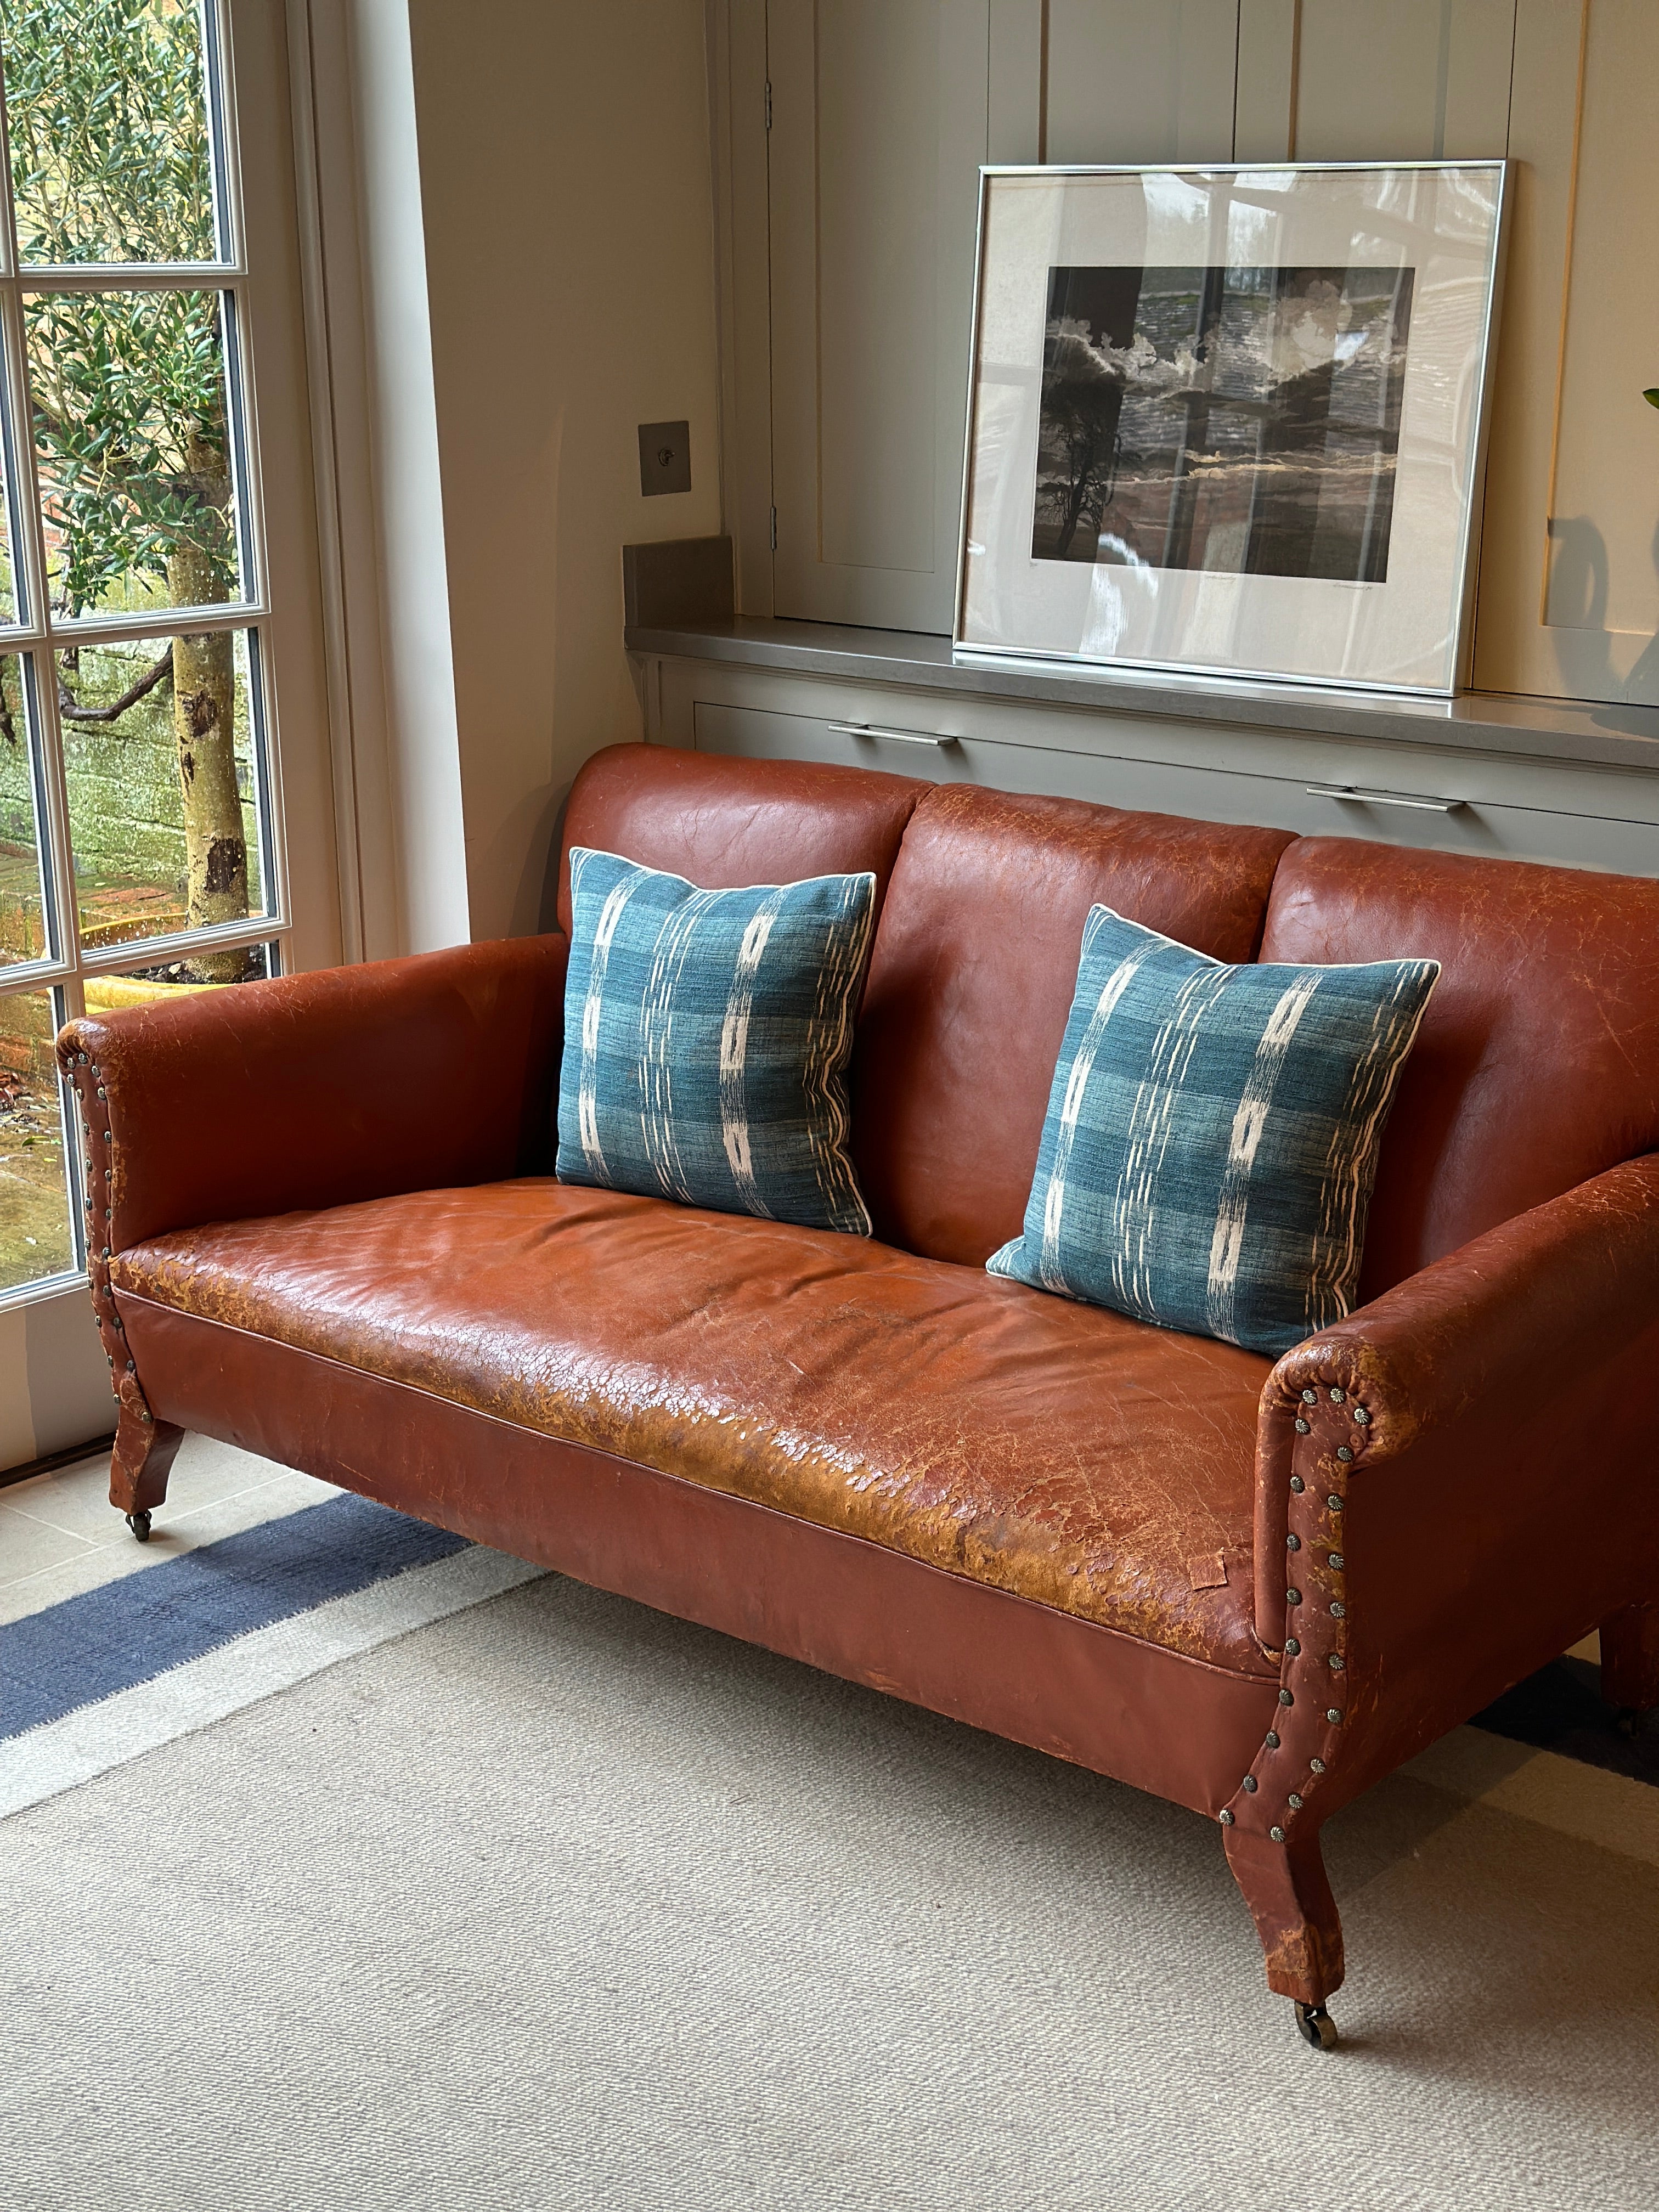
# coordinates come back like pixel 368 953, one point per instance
pixel 1651 395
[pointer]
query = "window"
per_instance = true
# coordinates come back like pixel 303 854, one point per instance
pixel 139 840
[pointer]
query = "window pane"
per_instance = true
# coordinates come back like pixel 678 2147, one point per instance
pixel 9 609
pixel 158 746
pixel 131 435
pixel 174 979
pixel 35 1203
pixel 109 152
pixel 22 897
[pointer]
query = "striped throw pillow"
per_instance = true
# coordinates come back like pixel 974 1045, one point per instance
pixel 1211 1136
pixel 707 1035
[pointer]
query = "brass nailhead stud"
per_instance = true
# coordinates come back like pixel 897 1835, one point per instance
pixel 1294 1802
pixel 1278 1834
pixel 1337 1396
pixel 1333 1715
pixel 1310 1397
pixel 1334 1502
pixel 1272 1739
pixel 1297 1483
pixel 1301 1427
pixel 1316 1766
pixel 1293 1597
pixel 1338 1561
pixel 1225 1818
pixel 1339 1611
pixel 1250 1783
pixel 1343 1452
pixel 1293 1543
pixel 1285 1698
pixel 1361 1415
pixel 1338 1662
pixel 1291 1645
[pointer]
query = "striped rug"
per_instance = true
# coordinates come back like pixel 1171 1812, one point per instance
pixel 166 1647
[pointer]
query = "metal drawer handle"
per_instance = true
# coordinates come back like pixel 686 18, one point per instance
pixel 1384 797
pixel 901 737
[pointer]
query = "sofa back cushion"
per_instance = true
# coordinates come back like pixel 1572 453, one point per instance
pixel 971 980
pixel 1537 1064
pixel 725 823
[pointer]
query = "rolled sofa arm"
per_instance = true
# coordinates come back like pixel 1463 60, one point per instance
pixel 316 1090
pixel 1452 1485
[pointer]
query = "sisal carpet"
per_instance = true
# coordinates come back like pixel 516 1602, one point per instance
pixel 556 1903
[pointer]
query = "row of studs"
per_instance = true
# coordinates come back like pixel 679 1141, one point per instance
pixel 83 1073
pixel 1336 1661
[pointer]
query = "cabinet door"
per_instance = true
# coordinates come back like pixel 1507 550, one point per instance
pixel 878 128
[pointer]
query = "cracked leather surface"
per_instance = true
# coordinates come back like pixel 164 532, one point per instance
pixel 972 978
pixel 723 823
pixel 1537 1064
pixel 1067 1455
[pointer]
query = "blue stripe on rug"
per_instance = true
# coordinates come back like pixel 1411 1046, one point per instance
pixel 149 1622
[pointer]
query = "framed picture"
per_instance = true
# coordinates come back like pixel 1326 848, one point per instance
pixel 1230 420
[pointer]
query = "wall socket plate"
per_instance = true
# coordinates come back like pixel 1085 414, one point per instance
pixel 665 457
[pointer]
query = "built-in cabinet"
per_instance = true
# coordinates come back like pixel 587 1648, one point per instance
pixel 1589 799
pixel 847 199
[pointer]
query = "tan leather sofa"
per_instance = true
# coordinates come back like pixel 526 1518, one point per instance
pixel 325 1229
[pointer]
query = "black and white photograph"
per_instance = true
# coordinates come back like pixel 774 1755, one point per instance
pixel 1231 420
pixel 1244 419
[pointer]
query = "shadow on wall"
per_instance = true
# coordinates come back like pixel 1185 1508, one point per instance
pixel 1578 600
pixel 524 853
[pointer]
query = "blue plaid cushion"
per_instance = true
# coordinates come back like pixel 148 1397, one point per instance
pixel 706 1040
pixel 1211 1136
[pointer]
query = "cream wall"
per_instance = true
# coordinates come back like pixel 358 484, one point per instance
pixel 564 180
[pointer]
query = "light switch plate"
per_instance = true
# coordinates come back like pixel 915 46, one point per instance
pixel 665 457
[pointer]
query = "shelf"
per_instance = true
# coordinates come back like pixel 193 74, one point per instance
pixel 1559 730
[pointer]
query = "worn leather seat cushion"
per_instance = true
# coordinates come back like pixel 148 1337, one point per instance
pixel 1067 1454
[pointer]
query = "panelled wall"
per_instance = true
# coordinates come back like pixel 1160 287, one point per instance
pixel 847 230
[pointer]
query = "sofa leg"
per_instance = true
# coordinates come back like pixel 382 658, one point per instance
pixel 138 1467
pixel 1630 1663
pixel 1295 1917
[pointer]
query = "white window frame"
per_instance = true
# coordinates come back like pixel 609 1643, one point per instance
pixel 34 641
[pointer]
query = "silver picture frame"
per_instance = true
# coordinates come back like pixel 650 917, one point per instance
pixel 1230 420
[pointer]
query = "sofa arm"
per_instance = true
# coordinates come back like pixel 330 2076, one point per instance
pixel 316 1090
pixel 1455 1482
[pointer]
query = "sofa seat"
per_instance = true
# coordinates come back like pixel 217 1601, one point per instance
pixel 1058 1452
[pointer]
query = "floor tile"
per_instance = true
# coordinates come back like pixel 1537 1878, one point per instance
pixel 88 1567
pixel 76 1499
pixel 29 1547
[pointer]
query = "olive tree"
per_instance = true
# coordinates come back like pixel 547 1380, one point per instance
pixel 111 161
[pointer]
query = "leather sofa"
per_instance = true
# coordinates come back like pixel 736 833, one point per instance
pixel 324 1228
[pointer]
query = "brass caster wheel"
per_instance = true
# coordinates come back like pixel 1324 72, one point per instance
pixel 139 1524
pixel 1316 2024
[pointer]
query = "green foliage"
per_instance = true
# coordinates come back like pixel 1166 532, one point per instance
pixel 129 427
pixel 1651 395
pixel 110 157
pixel 111 161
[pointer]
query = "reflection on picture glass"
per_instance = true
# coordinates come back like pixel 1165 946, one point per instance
pixel 1242 419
